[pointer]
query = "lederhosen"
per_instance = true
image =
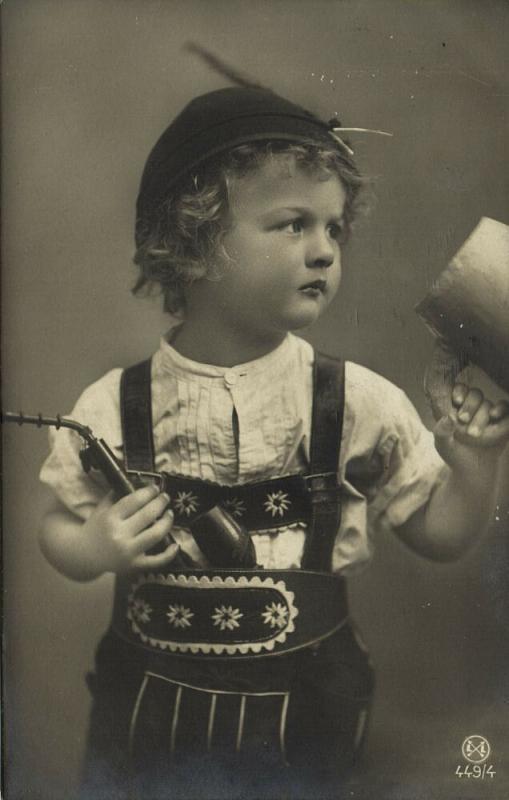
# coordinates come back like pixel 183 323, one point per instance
pixel 240 680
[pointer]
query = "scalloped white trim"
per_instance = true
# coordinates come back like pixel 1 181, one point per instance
pixel 216 582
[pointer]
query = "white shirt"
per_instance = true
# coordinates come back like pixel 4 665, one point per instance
pixel 192 407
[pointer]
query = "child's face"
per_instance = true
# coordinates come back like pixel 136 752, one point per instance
pixel 284 263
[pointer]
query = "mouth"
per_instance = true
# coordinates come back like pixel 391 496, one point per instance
pixel 314 288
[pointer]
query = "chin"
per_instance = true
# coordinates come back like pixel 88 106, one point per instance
pixel 297 315
pixel 303 319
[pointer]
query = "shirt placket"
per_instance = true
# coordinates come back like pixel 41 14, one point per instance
pixel 251 450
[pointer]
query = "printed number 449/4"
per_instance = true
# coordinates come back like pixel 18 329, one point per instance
pixel 475 771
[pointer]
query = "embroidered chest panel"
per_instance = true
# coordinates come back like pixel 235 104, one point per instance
pixel 257 506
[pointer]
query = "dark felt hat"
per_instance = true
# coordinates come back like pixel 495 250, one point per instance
pixel 213 123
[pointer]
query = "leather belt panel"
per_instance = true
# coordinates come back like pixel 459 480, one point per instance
pixel 230 613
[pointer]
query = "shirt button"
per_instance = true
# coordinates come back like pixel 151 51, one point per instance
pixel 230 377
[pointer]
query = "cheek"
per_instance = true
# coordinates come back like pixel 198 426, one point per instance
pixel 248 259
pixel 262 267
pixel 282 263
pixel 334 281
pixel 261 264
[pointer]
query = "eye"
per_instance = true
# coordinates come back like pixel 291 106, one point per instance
pixel 292 226
pixel 338 231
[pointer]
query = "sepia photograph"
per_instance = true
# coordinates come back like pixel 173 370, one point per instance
pixel 255 399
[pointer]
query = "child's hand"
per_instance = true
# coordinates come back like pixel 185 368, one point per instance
pixel 119 534
pixel 473 428
pixel 470 428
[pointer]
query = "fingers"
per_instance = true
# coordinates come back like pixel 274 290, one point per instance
pixel 141 509
pixel 147 516
pixel 459 394
pixel 468 402
pixel 475 421
pixel 495 434
pixel 151 536
pixel 132 503
pixel 472 401
pixel 478 420
pixel 159 560
pixel 499 411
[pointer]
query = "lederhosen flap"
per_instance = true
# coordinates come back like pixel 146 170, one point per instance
pixel 225 612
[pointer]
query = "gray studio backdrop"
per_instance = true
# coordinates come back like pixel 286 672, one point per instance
pixel 88 86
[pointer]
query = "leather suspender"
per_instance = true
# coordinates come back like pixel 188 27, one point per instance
pixel 136 415
pixel 326 429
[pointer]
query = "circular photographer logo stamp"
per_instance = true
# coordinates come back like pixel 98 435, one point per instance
pixel 476 749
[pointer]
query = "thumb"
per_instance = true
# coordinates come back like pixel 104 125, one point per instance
pixel 157 560
pixel 164 558
pixel 440 378
pixel 445 427
pixel 171 551
pixel 106 501
pixel 444 433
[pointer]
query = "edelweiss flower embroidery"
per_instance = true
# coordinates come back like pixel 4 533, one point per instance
pixel 275 615
pixel 186 503
pixel 140 611
pixel 235 506
pixel 226 617
pixel 179 616
pixel 277 503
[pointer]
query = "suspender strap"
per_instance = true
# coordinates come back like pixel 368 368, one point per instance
pixel 136 415
pixel 326 429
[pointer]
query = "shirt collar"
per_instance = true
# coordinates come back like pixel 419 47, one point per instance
pixel 170 360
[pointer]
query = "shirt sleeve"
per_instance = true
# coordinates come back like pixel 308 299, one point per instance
pixel 98 408
pixel 389 463
pixel 411 465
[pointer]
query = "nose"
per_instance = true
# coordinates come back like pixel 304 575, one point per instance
pixel 321 250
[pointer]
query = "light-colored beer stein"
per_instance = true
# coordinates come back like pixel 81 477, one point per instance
pixel 467 309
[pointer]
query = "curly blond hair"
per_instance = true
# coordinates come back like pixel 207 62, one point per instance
pixel 181 245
